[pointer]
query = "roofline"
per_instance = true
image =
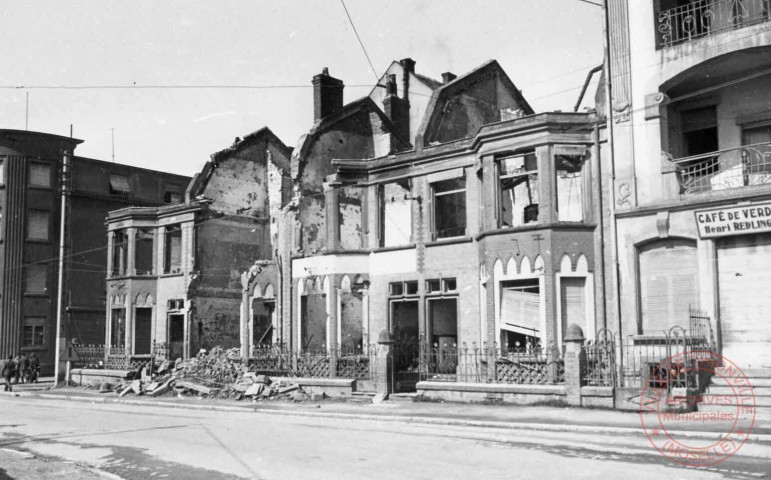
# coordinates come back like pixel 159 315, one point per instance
pixel 52 136
pixel 149 170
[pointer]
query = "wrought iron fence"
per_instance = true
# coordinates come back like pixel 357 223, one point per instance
pixel 272 360
pixel 90 355
pixel 356 363
pixel 490 364
pixel 726 169
pixel 702 18
pixel 601 360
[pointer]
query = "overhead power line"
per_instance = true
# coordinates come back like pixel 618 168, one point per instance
pixel 374 72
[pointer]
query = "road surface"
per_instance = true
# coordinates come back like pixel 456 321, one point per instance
pixel 140 442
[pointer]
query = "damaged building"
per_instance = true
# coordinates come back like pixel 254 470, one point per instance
pixel 445 212
pixel 174 272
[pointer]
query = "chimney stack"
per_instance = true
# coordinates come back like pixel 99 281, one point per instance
pixel 327 95
pixel 448 77
pixel 408 66
pixel 398 111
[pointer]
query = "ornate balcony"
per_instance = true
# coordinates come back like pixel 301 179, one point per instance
pixel 725 169
pixel 703 18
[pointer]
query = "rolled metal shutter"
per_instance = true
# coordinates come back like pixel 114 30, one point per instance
pixel 744 277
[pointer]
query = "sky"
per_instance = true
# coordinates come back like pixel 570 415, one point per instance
pixel 112 51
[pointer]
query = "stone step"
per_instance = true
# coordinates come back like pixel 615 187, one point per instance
pixel 756 373
pixel 728 390
pixel 729 399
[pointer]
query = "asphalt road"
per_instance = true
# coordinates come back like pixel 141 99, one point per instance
pixel 139 442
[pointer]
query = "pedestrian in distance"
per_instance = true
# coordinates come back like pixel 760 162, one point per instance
pixel 34 368
pixel 23 368
pixel 8 372
pixel 16 365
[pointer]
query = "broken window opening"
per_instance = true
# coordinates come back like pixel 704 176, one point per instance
pixel 449 208
pixel 519 189
pixel 262 322
pixel 118 327
pixel 173 250
pixel 570 188
pixel 143 336
pixel 351 326
pixel 395 214
pixel 314 322
pixel 443 322
pixel 143 252
pixel 350 218
pixel 119 252
pixel 119 185
pixel 172 197
pixel 520 312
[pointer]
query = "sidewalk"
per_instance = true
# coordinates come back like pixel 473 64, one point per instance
pixel 499 416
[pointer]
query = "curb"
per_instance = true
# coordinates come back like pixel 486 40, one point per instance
pixel 757 437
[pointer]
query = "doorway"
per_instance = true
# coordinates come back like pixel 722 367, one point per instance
pixel 176 336
pixel 143 330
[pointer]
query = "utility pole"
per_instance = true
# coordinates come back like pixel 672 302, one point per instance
pixel 60 282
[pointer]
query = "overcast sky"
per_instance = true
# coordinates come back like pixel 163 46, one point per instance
pixel 545 46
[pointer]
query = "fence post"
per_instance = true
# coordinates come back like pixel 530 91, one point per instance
pixel 333 353
pixel 385 374
pixel 575 364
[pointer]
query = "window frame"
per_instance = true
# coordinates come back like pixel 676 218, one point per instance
pixel 39 324
pixel 47 213
pixel 434 194
pixel 46 165
pixel 500 177
pixel 168 267
pixel 42 269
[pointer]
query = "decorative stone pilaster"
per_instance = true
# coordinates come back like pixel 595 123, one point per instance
pixel 575 364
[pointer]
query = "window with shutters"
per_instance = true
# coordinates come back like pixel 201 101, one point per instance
pixel 38 222
pixel 172 259
pixel 39 175
pixel 520 311
pixel 119 185
pixel 668 284
pixel 573 303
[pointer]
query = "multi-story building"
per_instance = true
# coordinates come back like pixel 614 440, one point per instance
pixel 443 211
pixel 174 272
pixel 691 131
pixel 31 182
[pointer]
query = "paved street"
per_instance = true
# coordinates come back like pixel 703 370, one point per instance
pixel 137 442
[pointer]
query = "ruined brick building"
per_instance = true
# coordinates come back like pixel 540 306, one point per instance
pixel 444 210
pixel 31 182
pixel 174 272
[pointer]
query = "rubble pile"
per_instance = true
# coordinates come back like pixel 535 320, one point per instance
pixel 218 373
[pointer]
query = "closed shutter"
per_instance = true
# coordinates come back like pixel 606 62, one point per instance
pixel 573 297
pixel 520 311
pixel 744 276
pixel 37 224
pixel 668 288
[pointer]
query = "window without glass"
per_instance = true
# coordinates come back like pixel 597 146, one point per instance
pixel 143 253
pixel 37 224
pixel 173 251
pixel 172 197
pixel 39 175
pixel 118 327
pixel 34 332
pixel 519 189
pixel 755 135
pixel 119 252
pixel 699 127
pixel 119 185
pixel 2 171
pixel 35 279
pixel 570 188
pixel 395 214
pixel 449 208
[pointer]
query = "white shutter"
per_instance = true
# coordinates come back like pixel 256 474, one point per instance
pixel 668 274
pixel 573 297
pixel 520 311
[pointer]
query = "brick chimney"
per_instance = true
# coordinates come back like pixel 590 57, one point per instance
pixel 398 111
pixel 448 77
pixel 408 66
pixel 327 95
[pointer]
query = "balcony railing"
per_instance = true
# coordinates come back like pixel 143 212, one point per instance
pixel 702 18
pixel 726 169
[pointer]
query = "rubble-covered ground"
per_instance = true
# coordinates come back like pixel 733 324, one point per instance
pixel 217 374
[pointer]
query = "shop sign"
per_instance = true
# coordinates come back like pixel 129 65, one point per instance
pixel 738 220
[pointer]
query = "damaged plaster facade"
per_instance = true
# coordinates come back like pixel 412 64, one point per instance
pixel 466 219
pixel 175 273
